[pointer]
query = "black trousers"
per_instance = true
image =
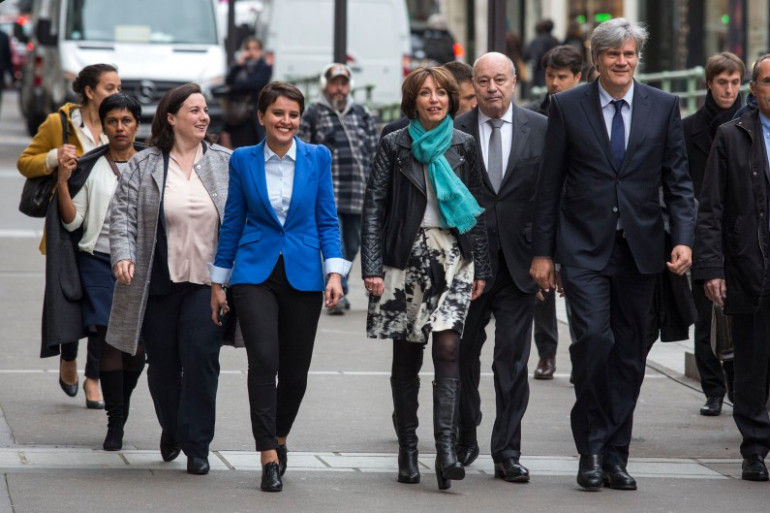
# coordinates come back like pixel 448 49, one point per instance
pixel 69 352
pixel 546 329
pixel 182 346
pixel 751 344
pixel 712 379
pixel 279 325
pixel 609 315
pixel 513 311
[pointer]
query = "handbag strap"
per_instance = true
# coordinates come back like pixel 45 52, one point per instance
pixel 64 134
pixel 112 164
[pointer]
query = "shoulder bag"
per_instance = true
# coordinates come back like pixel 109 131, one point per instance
pixel 37 192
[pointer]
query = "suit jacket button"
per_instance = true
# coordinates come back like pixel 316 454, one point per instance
pixel 615 209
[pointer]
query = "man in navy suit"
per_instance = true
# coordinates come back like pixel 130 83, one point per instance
pixel 612 145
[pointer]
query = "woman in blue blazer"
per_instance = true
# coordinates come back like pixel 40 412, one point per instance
pixel 279 219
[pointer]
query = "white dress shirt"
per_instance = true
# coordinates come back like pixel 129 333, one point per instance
pixel 506 133
pixel 608 109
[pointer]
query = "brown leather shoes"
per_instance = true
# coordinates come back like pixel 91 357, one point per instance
pixel 545 368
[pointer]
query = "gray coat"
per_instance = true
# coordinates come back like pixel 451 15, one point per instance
pixel 134 214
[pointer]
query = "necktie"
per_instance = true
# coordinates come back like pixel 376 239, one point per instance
pixel 618 134
pixel 495 154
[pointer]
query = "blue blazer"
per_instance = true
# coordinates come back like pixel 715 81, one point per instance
pixel 251 237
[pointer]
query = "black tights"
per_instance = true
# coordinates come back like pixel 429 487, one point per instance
pixel 113 359
pixel 407 357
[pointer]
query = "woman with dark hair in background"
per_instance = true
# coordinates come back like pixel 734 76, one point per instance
pixel 424 258
pixel 83 198
pixel 280 217
pixel 245 79
pixel 62 326
pixel 164 228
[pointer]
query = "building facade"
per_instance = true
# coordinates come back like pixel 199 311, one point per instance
pixel 683 32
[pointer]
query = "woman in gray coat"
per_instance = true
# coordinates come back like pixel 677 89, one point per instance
pixel 164 227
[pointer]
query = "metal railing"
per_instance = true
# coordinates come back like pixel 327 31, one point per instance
pixel 688 84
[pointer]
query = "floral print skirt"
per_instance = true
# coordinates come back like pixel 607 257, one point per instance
pixel 432 293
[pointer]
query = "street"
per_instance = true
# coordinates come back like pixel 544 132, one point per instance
pixel 342 448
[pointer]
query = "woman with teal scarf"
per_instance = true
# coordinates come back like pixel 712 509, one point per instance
pixel 424 257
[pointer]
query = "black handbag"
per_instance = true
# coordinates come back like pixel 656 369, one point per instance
pixel 721 334
pixel 37 192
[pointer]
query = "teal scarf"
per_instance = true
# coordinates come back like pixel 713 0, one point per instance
pixel 457 206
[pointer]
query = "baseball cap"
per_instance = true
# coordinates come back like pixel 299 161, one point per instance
pixel 337 70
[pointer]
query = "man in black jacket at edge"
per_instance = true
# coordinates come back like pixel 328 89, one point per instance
pixel 732 247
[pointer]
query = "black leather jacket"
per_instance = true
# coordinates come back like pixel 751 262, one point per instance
pixel 395 201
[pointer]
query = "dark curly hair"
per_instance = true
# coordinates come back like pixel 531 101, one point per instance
pixel 89 77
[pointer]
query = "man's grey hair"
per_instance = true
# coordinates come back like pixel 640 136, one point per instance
pixel 614 33
pixel 755 68
pixel 510 62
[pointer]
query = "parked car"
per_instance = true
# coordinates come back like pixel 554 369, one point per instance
pixel 433 46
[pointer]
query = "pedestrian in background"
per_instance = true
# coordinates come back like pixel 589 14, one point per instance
pixel 82 200
pixel 732 241
pixel 79 125
pixel 164 227
pixel 245 79
pixel 280 212
pixel 347 128
pixel 724 74
pixel 539 46
pixel 6 62
pixel 424 259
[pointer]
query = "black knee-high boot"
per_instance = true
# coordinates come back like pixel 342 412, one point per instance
pixel 405 420
pixel 130 379
pixel 446 407
pixel 112 389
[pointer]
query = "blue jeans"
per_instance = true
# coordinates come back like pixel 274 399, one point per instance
pixel 350 233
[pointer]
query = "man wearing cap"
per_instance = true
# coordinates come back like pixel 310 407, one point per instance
pixel 347 129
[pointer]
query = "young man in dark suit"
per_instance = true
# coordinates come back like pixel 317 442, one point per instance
pixel 724 74
pixel 510 140
pixel 612 145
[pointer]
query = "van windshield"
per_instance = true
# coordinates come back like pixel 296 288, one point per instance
pixel 142 21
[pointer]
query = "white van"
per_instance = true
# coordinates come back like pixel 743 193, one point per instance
pixel 155 44
pixel 299 40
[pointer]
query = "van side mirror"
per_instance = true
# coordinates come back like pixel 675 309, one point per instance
pixel 44 32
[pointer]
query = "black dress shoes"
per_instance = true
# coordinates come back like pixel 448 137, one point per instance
pixel 545 368
pixel 754 468
pixel 512 471
pixel 712 408
pixel 590 474
pixel 271 478
pixel 70 390
pixel 283 458
pixel 169 447
pixel 197 466
pixel 618 478
pixel 467 452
